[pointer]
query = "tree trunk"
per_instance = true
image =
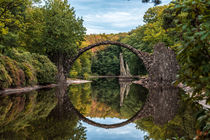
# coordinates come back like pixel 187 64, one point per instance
pixel 60 75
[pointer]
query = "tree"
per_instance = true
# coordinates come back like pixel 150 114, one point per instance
pixel 11 21
pixel 32 37
pixel 191 21
pixel 62 34
pixel 135 39
pixel 152 14
pixel 82 66
pixel 154 31
pixel 107 62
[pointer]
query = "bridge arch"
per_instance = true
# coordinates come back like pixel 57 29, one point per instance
pixel 144 56
pixel 161 66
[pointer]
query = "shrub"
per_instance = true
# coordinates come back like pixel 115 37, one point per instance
pixel 20 56
pixel 30 74
pixel 38 68
pixel 5 79
pixel 24 60
pixel 46 70
pixel 20 68
pixel 14 71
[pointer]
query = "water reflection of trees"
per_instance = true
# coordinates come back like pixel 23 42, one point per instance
pixel 171 115
pixel 164 115
pixel 38 115
pixel 45 115
pixel 117 96
pixel 80 96
pixel 33 105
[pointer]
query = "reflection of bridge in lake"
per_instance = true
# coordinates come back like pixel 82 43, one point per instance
pixel 124 90
pixel 161 104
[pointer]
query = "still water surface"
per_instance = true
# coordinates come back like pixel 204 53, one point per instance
pixel 160 113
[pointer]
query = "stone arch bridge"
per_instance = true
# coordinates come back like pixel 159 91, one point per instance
pixel 161 66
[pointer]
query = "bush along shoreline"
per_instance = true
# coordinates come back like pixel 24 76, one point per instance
pixel 20 68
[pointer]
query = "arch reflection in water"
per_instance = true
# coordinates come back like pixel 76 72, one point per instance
pixel 161 104
pixel 67 107
pixel 45 115
pixel 38 115
pixel 108 99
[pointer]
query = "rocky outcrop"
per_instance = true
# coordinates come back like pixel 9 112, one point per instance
pixel 164 66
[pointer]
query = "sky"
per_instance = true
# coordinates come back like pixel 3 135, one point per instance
pixel 128 132
pixel 111 16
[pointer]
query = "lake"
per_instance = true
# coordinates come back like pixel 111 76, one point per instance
pixel 104 109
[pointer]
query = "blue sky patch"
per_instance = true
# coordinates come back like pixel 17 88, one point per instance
pixel 111 16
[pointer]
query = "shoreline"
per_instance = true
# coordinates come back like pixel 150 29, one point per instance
pixel 114 76
pixel 188 90
pixel 9 91
pixel 77 81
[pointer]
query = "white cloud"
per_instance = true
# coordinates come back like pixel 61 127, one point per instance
pixel 94 29
pixel 100 30
pixel 111 16
pixel 116 19
pixel 113 21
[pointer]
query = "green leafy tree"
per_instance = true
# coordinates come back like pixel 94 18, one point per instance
pixel 32 37
pixel 154 31
pixel 145 37
pixel 191 19
pixel 76 69
pixel 156 2
pixel 152 14
pixel 22 68
pixel 13 22
pixel 106 62
pixel 62 34
pixel 82 66
pixel 135 39
pixel 12 14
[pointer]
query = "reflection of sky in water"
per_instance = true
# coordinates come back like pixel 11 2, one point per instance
pixel 127 132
